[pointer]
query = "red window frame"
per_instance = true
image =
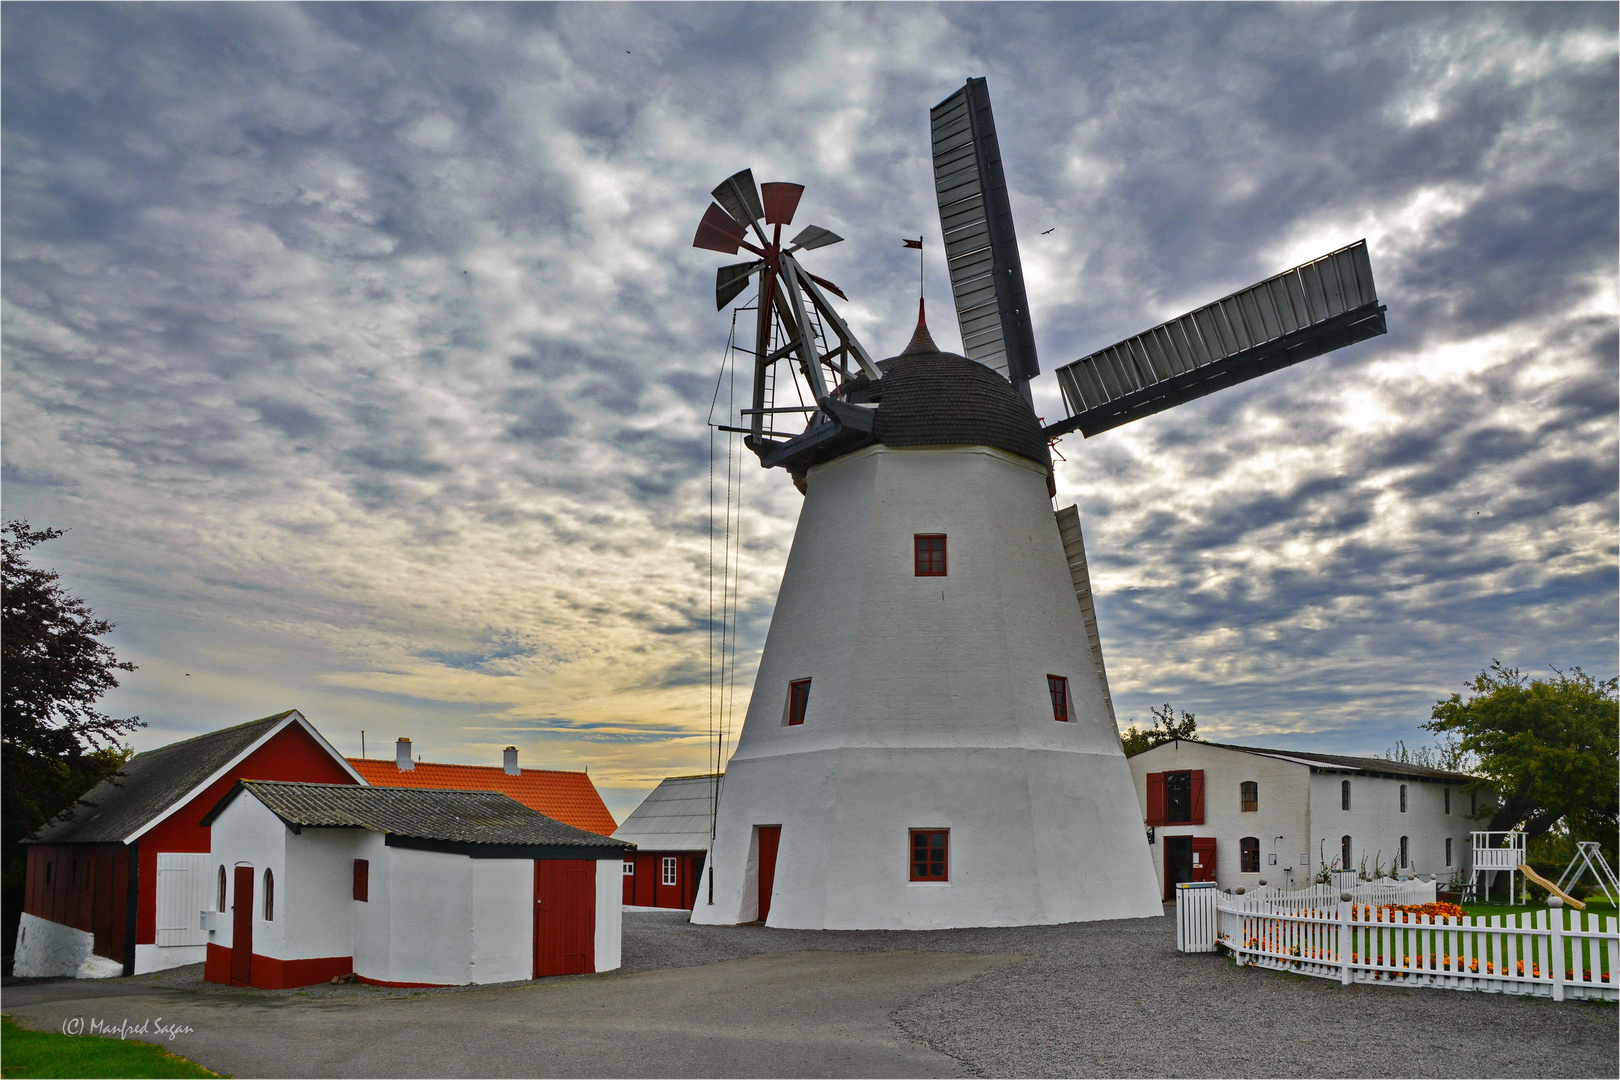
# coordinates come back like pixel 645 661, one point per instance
pixel 1058 687
pixel 930 553
pixel 1248 797
pixel 798 701
pixel 362 880
pixel 930 855
pixel 269 896
pixel 1249 855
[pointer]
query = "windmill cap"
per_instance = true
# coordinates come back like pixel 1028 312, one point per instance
pixel 921 340
pixel 933 398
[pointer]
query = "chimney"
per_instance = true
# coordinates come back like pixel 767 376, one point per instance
pixel 402 756
pixel 509 761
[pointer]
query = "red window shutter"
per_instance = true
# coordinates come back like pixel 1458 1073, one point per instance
pixel 362 880
pixel 1198 798
pixel 1156 799
pixel 1203 847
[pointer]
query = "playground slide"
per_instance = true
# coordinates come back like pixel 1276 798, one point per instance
pixel 1550 887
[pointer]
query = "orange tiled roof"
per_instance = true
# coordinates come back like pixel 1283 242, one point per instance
pixel 570 797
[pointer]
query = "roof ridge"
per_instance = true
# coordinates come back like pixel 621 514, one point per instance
pixel 457 765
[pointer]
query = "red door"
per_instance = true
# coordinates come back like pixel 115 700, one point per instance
pixel 564 917
pixel 1203 858
pixel 770 837
pixel 242 928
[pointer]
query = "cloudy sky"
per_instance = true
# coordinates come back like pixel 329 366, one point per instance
pixel 365 355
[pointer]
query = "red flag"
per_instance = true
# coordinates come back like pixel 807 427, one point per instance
pixel 917 243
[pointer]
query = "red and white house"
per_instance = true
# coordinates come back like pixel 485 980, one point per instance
pixel 671 832
pixel 404 887
pixel 115 885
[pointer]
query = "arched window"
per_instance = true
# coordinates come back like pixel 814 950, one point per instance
pixel 1249 855
pixel 1344 852
pixel 1405 862
pixel 222 886
pixel 1249 796
pixel 1403 800
pixel 1344 794
pixel 269 895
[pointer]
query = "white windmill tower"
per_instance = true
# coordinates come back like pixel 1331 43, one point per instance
pixel 930 742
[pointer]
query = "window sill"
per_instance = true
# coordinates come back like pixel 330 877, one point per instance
pixel 931 884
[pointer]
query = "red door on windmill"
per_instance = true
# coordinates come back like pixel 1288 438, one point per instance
pixel 564 917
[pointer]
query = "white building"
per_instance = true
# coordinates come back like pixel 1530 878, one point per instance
pixel 928 744
pixel 1238 815
pixel 403 887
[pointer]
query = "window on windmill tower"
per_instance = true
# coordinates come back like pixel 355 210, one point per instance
pixel 930 854
pixel 1403 798
pixel 1249 796
pixel 1448 800
pixel 1344 794
pixel 1405 851
pixel 1249 855
pixel 1344 853
pixel 798 701
pixel 930 555
pixel 1448 851
pixel 1058 687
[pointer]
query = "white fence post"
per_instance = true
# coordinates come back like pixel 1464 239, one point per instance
pixel 1555 913
pixel 1347 937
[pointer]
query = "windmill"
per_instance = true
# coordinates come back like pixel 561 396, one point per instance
pixel 930 741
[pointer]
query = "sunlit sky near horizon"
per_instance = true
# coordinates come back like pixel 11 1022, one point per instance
pixel 363 351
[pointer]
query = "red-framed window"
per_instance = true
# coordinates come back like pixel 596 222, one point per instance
pixel 362 880
pixel 1248 796
pixel 1249 855
pixel 930 555
pixel 269 896
pixel 1058 687
pixel 221 886
pixel 930 854
pixel 798 700
pixel 1176 798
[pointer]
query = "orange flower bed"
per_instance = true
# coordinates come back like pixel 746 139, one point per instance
pixel 1435 909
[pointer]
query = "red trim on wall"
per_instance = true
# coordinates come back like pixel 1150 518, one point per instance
pixel 1197 798
pixel 270 973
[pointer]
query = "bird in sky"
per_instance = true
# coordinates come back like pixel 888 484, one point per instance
pixel 1049 230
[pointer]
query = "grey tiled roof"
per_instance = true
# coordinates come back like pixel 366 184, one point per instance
pixel 941 399
pixel 465 817
pixel 150 783
pixel 1364 764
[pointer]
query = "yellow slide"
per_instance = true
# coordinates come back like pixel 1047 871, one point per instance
pixel 1550 887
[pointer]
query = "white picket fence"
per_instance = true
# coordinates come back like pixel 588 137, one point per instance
pixel 1359 941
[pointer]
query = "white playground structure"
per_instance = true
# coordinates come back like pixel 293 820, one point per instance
pixel 1495 851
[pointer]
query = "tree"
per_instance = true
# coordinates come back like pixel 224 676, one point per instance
pixel 56 745
pixel 1165 728
pixel 1549 747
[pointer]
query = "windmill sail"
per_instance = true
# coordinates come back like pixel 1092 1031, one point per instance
pixel 1312 309
pixel 981 250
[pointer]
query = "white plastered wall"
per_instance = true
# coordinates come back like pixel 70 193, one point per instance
pixel 502 920
pixel 929 709
pixel 1375 823
pixel 609 913
pixel 247 834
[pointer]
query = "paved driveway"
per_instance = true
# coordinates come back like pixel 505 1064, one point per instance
pixel 1085 999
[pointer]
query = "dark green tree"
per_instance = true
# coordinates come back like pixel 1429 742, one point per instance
pixel 1548 746
pixel 1165 728
pixel 56 744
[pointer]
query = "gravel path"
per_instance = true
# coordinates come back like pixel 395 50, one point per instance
pixel 1117 999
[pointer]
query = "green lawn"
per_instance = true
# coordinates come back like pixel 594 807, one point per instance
pixel 29 1054
pixel 1510 909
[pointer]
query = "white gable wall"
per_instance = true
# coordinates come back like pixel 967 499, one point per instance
pixel 1284 810
pixel 609 913
pixel 247 834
